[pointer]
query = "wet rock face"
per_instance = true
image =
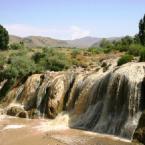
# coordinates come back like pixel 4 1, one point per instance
pixel 27 96
pixel 139 134
pixel 42 95
pixel 52 93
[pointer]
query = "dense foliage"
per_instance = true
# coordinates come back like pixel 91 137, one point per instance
pixel 4 38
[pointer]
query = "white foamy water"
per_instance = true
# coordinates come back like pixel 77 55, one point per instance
pixel 2 117
pixel 13 104
pixel 59 123
pixel 5 117
pixel 13 127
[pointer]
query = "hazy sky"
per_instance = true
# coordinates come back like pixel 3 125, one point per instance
pixel 70 19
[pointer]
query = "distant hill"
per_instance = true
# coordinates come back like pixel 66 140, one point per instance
pixel 84 42
pixel 39 41
pixel 15 39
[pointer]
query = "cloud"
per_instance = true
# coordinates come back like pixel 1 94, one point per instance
pixel 77 32
pixel 24 30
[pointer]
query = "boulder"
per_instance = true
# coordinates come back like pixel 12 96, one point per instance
pixel 22 114
pixel 13 111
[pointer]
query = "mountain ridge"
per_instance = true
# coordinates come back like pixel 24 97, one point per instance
pixel 41 41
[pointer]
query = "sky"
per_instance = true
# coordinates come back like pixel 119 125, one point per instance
pixel 71 19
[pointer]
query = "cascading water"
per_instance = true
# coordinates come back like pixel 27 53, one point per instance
pixel 106 102
pixel 111 103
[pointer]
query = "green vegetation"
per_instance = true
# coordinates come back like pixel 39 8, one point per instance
pixel 19 61
pixel 142 31
pixel 4 38
pixel 75 52
pixel 50 59
pixel 16 66
pixel 132 45
pixel 16 46
pixel 125 59
pixel 142 55
pixel 135 49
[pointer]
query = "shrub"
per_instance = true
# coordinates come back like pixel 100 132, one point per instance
pixel 18 66
pixel 75 52
pixel 125 59
pixel 95 50
pixel 107 50
pixel 16 46
pixel 52 60
pixel 38 56
pixel 2 61
pixel 56 64
pixel 142 55
pixel 135 49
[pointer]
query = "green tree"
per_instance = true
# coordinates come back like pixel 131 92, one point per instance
pixel 136 39
pixel 4 38
pixel 127 40
pixel 142 31
pixel 105 43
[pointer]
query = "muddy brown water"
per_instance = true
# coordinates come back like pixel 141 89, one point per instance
pixel 16 131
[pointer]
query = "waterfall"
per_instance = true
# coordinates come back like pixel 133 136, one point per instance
pixel 109 103
pixel 105 102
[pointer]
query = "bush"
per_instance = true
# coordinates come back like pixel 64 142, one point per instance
pixel 18 66
pixel 107 50
pixel 16 46
pixel 95 50
pixel 38 56
pixel 135 49
pixel 75 52
pixel 56 64
pixel 51 60
pixel 125 59
pixel 142 55
pixel 2 61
